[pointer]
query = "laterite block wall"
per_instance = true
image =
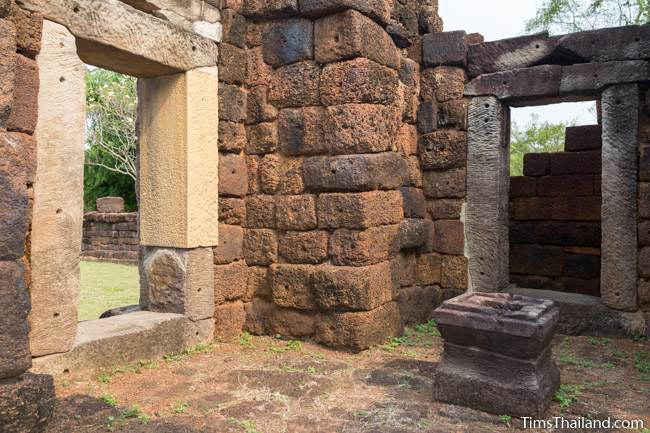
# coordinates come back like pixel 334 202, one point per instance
pixel 555 231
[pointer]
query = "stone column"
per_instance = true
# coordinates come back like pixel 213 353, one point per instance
pixel 58 193
pixel 620 108
pixel 487 194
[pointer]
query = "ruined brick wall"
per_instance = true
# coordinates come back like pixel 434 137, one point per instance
pixel 326 229
pixel 644 207
pixel 111 237
pixel 555 231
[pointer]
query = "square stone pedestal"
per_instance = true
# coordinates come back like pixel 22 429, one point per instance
pixel 26 403
pixel 497 353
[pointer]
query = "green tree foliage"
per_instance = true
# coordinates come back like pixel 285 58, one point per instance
pixel 111 143
pixel 535 137
pixel 558 16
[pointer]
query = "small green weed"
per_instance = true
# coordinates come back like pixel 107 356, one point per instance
pixel 109 399
pixel 567 395
pixel 149 365
pixel 104 378
pixel 642 363
pixel 181 408
pixel 144 419
pixel 246 340
pixel 505 419
pixel 248 425
pixel 599 341
pixel 290 346
pixel 430 328
pixel 132 411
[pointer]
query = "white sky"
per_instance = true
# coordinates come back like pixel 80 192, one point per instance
pixel 499 19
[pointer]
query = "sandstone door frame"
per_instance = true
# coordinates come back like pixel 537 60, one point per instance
pixel 178 155
pixel 488 188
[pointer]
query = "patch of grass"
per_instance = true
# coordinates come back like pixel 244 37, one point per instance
pixel 104 286
pixel 642 363
pixel 132 411
pixel 505 419
pixel 248 425
pixel 567 395
pixel 246 340
pixel 572 360
pixel 289 346
pixel 109 399
pixel 599 341
pixel 104 378
pixel 430 328
pixel 286 368
pixel 149 365
pixel 144 419
pixel 181 408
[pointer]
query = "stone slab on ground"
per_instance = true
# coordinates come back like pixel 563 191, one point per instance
pixel 124 339
pixel 26 403
pixel 587 315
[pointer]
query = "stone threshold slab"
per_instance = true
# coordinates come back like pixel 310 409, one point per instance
pixel 124 339
pixel 587 315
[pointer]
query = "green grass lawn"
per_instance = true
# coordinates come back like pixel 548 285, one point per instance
pixel 105 286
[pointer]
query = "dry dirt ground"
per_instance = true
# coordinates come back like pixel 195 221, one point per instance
pixel 270 385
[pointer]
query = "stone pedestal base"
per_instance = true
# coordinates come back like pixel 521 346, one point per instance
pixel 497 355
pixel 494 383
pixel 26 403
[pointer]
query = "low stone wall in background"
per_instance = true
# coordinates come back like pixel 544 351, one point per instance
pixel 111 237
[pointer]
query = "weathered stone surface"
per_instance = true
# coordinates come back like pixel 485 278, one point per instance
pixel 295 85
pixel 443 149
pixel 365 247
pixel 587 315
pixel 445 208
pixel 232 64
pixel 179 134
pixel 565 185
pixel 353 288
pixel 454 273
pixel 587 137
pixel 269 173
pixel 291 286
pixel 377 9
pixel 258 285
pixel 260 247
pixel 508 54
pixel 292 323
pixel 125 339
pixel 230 281
pixel 233 180
pixel 445 49
pixel 259 73
pixel 534 82
pixel 126 40
pixel 359 210
pixel 644 200
pixel 229 320
pixel 262 138
pixel 428 269
pixel 270 9
pixel 259 110
pixel 480 329
pixel 303 247
pixel 445 184
pixel 453 114
pixel 260 211
pixel 7 69
pixel 296 212
pixel 417 303
pixel 350 34
pixel 291 180
pixel 576 208
pixel 442 84
pixel 359 330
pixel 301 130
pixel 288 41
pixel 409 75
pixel 178 281
pixel 232 211
pixel 232 137
pixel 233 103
pixel 17 170
pixel 29 27
pixel 358 81
pixel 536 260
pixel 231 244
pixel 589 77
pixel 449 237
pixel 416 233
pixel 575 162
pixel 414 202
pixel 644 233
pixel 234 29
pixel 24 110
pixel 644 262
pixel 26 403
pixel 360 128
pixel 537 164
pixel 427 117
pixel 258 315
pixel 354 172
pixel 522 186
pixel 58 194
pixel 109 204
pixel 620 127
pixel 15 356
pixel 487 195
